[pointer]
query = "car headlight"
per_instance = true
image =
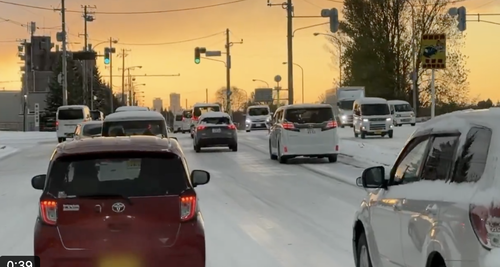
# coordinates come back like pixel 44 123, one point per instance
pixel 412 115
pixel 248 121
pixel 365 120
pixel 344 117
pixel 388 119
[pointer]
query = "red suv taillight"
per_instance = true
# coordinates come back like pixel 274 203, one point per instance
pixel 48 211
pixel 288 126
pixel 486 224
pixel 331 124
pixel 201 127
pixel 231 127
pixel 188 207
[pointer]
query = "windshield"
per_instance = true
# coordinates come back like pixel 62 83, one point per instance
pixel 309 115
pixel 96 115
pixel 178 117
pixel 346 104
pixel 258 111
pixel 214 120
pixel 402 108
pixel 127 174
pixel 70 114
pixel 198 111
pixel 124 128
pixel 92 129
pixel 374 109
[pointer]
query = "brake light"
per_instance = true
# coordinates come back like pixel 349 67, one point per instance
pixel 183 119
pixel 188 207
pixel 331 124
pixel 486 224
pixel 194 118
pixel 201 127
pixel 231 127
pixel 288 125
pixel 48 211
pixel 57 125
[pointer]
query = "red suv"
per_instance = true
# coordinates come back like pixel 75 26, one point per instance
pixel 120 201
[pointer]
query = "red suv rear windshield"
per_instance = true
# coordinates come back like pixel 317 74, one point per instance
pixel 128 174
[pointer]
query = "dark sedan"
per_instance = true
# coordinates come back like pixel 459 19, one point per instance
pixel 215 129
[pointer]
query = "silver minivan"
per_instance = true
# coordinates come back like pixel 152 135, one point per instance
pixel 371 116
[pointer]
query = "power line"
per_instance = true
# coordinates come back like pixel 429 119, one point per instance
pixel 26 25
pixel 165 43
pixel 130 12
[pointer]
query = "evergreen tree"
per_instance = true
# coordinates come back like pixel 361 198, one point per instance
pixel 102 95
pixel 75 88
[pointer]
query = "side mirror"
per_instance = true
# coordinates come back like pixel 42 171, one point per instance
pixel 373 177
pixel 38 182
pixel 199 177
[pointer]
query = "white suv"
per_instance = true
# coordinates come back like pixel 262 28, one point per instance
pixel 308 130
pixel 439 205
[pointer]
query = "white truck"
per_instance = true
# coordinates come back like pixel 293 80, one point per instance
pixel 345 98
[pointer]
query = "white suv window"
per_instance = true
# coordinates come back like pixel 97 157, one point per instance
pixel 472 161
pixel 407 171
pixel 441 158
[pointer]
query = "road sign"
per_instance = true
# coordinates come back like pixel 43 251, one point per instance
pixel 263 95
pixel 37 115
pixel 433 51
pixel 213 53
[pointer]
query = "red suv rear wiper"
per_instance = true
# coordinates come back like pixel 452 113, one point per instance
pixel 106 196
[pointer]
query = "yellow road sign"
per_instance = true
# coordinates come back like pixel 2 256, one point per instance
pixel 433 51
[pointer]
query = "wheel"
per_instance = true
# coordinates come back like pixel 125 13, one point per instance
pixel 183 132
pixel 332 158
pixel 234 148
pixel 247 131
pixel 197 148
pixel 355 133
pixel 363 255
pixel 192 136
pixel 413 124
pixel 281 159
pixel 390 134
pixel 363 135
pixel 342 126
pixel 273 157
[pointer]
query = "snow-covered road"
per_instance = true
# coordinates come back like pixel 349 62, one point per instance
pixel 257 211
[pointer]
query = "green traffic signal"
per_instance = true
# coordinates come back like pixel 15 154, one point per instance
pixel 197 60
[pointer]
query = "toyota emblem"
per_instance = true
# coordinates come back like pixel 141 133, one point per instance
pixel 118 207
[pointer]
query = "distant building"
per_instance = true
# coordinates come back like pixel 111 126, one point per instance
pixel 157 104
pixel 175 102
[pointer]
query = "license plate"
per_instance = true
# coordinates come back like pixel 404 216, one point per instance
pixel 378 132
pixel 216 130
pixel 311 131
pixel 124 261
pixel 406 120
pixel 258 125
pixel 134 163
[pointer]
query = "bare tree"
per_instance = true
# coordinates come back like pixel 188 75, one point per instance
pixel 238 98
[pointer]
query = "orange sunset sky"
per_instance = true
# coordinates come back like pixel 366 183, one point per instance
pixel 262 28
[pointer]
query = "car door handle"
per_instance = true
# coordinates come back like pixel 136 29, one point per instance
pixel 431 209
pixel 398 205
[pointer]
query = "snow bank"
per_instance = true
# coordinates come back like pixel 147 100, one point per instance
pixel 370 153
pixel 27 136
pixel 492 258
pixel 6 151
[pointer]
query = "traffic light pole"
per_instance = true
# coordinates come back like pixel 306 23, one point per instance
pixel 228 72
pixel 64 55
pixel 111 98
pixel 289 41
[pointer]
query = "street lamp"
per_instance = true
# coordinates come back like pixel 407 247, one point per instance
pixel 25 102
pixel 262 81
pixel 302 69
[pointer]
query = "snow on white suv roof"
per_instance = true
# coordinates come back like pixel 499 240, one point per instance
pixel 134 123
pixel 131 108
pixel 439 205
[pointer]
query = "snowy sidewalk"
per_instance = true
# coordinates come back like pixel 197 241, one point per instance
pixel 12 142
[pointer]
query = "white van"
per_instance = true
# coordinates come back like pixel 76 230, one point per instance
pixel 131 108
pixel 68 117
pixel 182 122
pixel 200 109
pixel 256 117
pixel 402 112
pixel 371 116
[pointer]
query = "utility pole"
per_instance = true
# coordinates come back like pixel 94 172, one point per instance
pixel 64 54
pixel 206 95
pixel 228 72
pixel 289 40
pixel 186 103
pixel 228 69
pixel 87 17
pixel 111 74
pixel 123 54
pixel 32 56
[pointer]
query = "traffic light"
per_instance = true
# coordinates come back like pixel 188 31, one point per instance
pixel 197 54
pixel 462 19
pixel 107 52
pixel 334 20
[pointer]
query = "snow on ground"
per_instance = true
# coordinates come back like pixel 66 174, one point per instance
pixel 12 142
